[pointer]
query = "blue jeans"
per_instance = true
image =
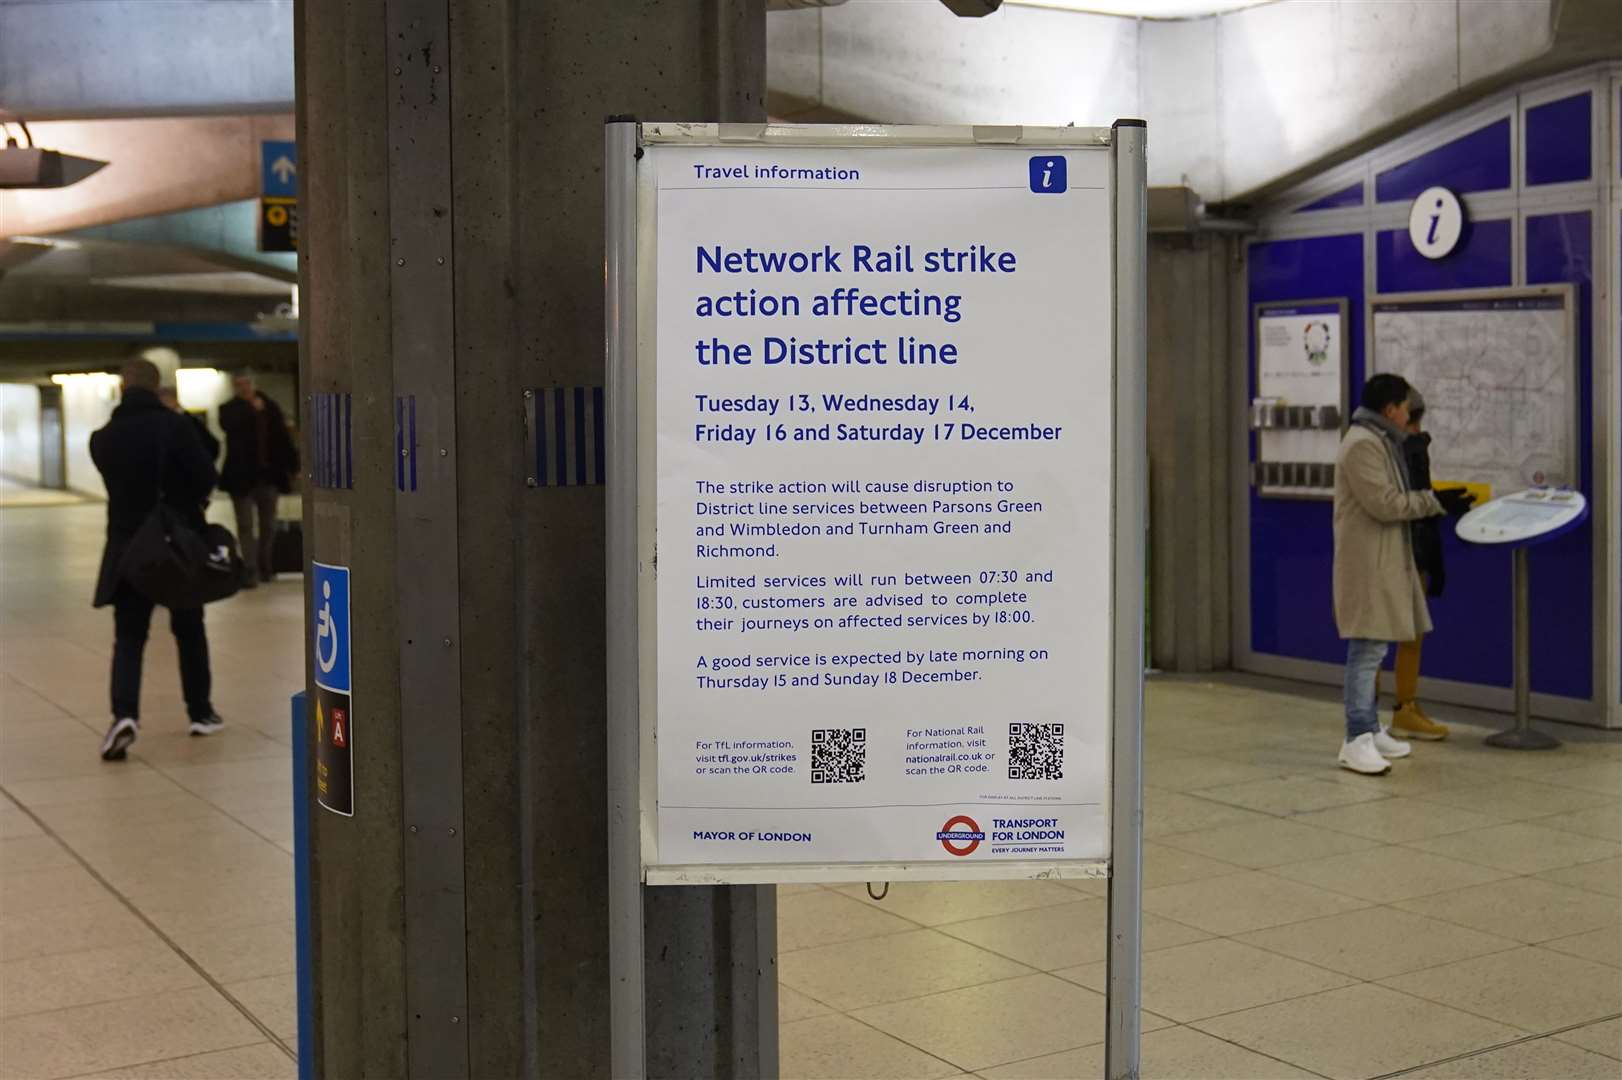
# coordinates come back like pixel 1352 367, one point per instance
pixel 1363 660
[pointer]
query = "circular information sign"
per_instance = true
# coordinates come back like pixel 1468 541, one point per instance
pixel 1435 222
pixel 1527 517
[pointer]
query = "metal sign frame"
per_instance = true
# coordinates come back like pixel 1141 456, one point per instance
pixel 630 286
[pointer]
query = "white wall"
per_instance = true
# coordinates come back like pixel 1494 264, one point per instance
pixel 1181 98
pixel 87 402
pixel 1298 80
pixel 1233 102
pixel 914 62
pixel 19 432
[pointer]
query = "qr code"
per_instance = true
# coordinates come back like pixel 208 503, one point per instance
pixel 1036 751
pixel 838 755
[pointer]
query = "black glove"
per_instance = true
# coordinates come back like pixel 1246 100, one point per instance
pixel 1455 501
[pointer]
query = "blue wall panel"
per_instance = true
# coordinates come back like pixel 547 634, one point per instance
pixel 1291 549
pixel 1479 161
pixel 1484 258
pixel 1292 546
pixel 1559 138
pixel 1473 639
pixel 1337 200
pixel 1292 541
pixel 1559 248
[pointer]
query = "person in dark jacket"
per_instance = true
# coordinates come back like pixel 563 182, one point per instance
pixel 171 401
pixel 260 461
pixel 147 452
pixel 1409 719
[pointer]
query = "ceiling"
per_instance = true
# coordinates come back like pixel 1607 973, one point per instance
pixel 1144 9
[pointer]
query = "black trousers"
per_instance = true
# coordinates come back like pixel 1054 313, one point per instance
pixel 258 548
pixel 132 617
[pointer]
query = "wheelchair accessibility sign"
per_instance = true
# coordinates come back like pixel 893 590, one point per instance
pixel 334 716
pixel 331 609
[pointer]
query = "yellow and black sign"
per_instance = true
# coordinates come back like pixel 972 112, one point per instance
pixel 278 223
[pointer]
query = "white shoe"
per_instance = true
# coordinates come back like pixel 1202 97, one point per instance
pixel 1389 747
pixel 208 725
pixel 120 734
pixel 1360 756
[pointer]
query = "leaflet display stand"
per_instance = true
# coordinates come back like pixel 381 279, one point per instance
pixel 1301 403
pixel 1520 521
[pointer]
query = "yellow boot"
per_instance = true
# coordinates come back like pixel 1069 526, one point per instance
pixel 1410 722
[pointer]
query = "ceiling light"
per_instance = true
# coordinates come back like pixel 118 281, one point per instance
pixel 47 242
pixel 31 167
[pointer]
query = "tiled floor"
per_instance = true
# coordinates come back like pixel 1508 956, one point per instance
pixel 146 908
pixel 1459 918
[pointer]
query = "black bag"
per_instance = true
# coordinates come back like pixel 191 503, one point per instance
pixel 172 564
pixel 287 549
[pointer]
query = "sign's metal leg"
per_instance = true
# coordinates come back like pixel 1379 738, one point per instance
pixel 1523 736
pixel 1125 957
pixel 628 990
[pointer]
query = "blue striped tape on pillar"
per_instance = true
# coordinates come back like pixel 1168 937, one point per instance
pixel 405 443
pixel 333 441
pixel 567 436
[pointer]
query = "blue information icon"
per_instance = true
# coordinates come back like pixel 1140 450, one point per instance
pixel 1048 175
pixel 330 624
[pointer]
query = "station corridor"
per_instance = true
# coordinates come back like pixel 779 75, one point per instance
pixel 1461 917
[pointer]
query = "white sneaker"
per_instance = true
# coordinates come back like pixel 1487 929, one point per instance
pixel 1360 756
pixel 1389 747
pixel 120 734
pixel 208 725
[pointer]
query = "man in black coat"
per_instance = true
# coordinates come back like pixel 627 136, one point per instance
pixel 260 460
pixel 142 442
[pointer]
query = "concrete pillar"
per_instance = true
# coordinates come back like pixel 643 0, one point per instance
pixel 452 210
pixel 1189 450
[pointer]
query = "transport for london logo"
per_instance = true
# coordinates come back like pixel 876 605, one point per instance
pixel 960 835
pixel 1047 175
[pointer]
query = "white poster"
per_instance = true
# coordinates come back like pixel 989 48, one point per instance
pixel 883 412
pixel 1298 353
pixel 1298 363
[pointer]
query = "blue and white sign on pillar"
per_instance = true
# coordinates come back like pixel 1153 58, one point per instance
pixel 278 175
pixel 333 713
pixel 332 627
pixel 278 195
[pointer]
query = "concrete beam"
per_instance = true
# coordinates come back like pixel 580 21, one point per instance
pixel 227 235
pixel 918 63
pixel 1576 32
pixel 81 59
pixel 506 271
pixel 1237 104
pixel 1300 82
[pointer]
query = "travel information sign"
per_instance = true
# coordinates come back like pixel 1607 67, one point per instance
pixel 864 440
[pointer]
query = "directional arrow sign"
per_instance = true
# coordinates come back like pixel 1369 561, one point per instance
pixel 278 175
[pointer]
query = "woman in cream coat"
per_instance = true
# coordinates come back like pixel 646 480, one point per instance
pixel 1379 597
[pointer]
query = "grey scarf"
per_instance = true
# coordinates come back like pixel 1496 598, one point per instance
pixel 1390 434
